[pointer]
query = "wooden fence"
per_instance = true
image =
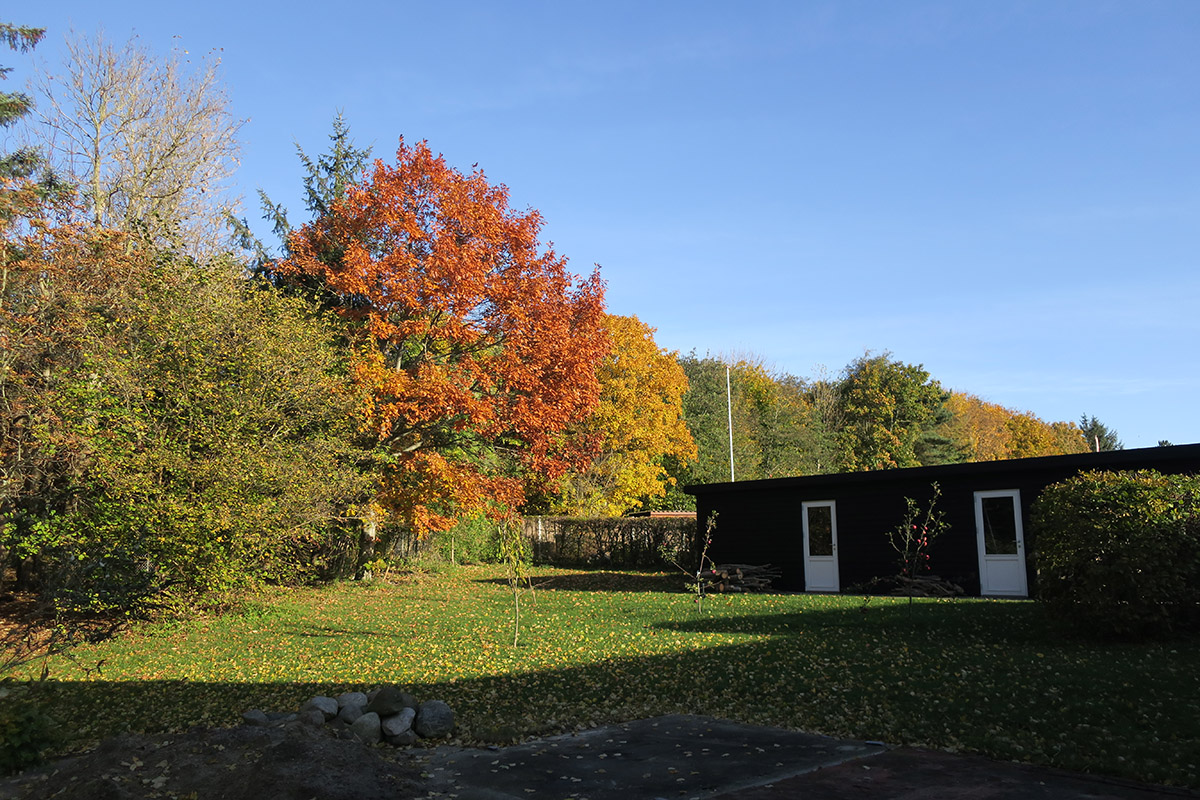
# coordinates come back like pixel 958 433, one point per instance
pixel 620 543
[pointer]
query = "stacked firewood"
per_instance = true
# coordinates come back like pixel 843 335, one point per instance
pixel 738 578
pixel 925 586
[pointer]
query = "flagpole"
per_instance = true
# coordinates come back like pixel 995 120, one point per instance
pixel 729 405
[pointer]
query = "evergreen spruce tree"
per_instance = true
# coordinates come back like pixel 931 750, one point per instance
pixel 325 181
pixel 15 105
pixel 1100 437
pixel 25 180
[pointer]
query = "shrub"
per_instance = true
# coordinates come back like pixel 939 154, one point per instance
pixel 113 582
pixel 1119 553
pixel 25 732
pixel 474 540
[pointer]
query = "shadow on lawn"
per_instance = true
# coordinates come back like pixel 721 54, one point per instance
pixel 846 658
pixel 939 619
pixel 605 582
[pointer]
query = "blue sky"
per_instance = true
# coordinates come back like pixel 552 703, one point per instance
pixel 1005 192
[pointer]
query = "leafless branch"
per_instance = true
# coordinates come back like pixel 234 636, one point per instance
pixel 150 142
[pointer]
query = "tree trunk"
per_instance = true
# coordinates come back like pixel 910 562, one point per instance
pixel 367 545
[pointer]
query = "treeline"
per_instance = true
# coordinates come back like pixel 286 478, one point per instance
pixel 878 413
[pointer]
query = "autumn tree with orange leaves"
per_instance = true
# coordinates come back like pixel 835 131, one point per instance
pixel 475 349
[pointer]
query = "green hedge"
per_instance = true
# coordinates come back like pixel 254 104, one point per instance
pixel 474 540
pixel 1118 553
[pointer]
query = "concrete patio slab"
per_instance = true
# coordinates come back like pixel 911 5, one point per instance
pixel 674 756
pixel 681 757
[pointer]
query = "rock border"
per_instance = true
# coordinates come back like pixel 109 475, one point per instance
pixel 387 714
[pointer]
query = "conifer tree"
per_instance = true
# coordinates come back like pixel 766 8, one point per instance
pixel 24 179
pixel 1099 436
pixel 325 182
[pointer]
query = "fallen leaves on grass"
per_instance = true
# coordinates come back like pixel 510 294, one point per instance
pixel 968 675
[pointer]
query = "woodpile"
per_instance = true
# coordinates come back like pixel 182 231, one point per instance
pixel 738 578
pixel 925 586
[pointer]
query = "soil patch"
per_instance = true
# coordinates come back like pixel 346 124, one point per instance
pixel 671 757
pixel 243 763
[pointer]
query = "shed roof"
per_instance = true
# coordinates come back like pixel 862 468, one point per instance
pixel 1176 458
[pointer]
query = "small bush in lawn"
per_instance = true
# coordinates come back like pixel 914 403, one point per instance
pixel 1119 553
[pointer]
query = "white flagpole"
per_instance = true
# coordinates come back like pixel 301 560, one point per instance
pixel 729 404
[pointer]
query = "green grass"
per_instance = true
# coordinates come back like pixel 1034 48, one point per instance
pixel 968 675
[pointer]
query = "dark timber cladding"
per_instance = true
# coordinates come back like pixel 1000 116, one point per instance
pixel 760 522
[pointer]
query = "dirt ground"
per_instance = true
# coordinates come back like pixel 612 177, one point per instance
pixel 677 756
pixel 243 763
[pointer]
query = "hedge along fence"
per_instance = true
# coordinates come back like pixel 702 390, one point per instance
pixel 620 543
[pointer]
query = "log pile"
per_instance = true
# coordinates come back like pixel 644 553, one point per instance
pixel 738 578
pixel 925 586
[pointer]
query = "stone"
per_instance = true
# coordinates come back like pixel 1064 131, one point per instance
pixel 406 739
pixel 398 723
pixel 256 717
pixel 367 728
pixel 389 700
pixel 312 716
pixel 326 705
pixel 349 713
pixel 435 719
pixel 352 699
pixel 403 722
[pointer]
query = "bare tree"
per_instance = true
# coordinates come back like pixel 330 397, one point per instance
pixel 150 142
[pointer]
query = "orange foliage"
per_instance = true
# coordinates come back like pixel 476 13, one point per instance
pixel 1030 436
pixel 478 349
pixel 990 432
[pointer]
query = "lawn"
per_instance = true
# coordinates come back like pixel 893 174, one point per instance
pixel 969 675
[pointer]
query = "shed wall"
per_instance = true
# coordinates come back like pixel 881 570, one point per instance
pixel 760 522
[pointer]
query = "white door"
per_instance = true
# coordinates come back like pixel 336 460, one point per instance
pixel 1001 543
pixel 820 547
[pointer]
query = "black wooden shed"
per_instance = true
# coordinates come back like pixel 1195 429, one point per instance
pixel 828 533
